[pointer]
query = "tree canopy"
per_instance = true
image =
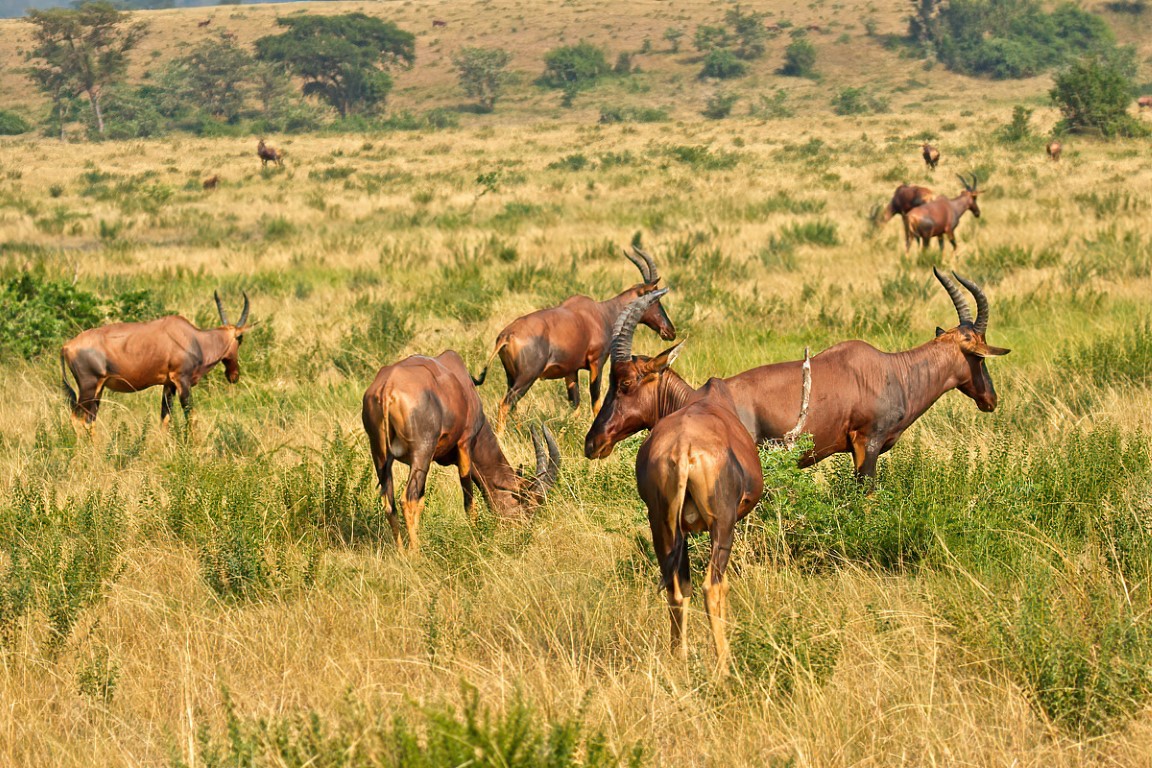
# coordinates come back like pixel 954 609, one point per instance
pixel 343 60
pixel 81 50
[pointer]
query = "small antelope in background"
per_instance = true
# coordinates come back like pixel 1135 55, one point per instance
pixel 268 153
pixel 940 217
pixel 931 155
pixel 1054 149
pixel 211 182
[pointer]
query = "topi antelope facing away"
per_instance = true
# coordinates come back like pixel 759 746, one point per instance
pixel 559 342
pixel 904 199
pixel 931 155
pixel 1054 149
pixel 425 409
pixel 862 402
pixel 128 357
pixel 268 154
pixel 940 217
pixel 211 182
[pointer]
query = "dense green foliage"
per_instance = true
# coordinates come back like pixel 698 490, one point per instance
pixel 799 59
pixel 483 73
pixel 574 68
pixel 343 59
pixel 1006 38
pixel 1093 94
pixel 12 124
pixel 81 50
pixel 722 64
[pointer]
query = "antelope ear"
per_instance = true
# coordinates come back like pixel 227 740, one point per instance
pixel 940 331
pixel 988 351
pixel 667 357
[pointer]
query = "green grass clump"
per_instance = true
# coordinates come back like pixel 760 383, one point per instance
pixel 414 737
pixel 821 232
pixel 379 341
pixel 1121 358
pixel 703 158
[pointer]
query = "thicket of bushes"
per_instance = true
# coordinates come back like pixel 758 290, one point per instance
pixel 1006 38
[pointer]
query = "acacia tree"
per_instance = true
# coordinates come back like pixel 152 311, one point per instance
pixel 215 76
pixel 482 73
pixel 81 51
pixel 343 59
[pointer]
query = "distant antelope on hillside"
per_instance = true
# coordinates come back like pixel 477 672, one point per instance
pixel 931 155
pixel 1054 149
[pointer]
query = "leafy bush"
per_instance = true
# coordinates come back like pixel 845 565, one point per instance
pixel 799 59
pixel 857 101
pixel 130 115
pixel 1093 94
pixel 574 162
pixel 37 315
pixel 610 115
pixel 1019 129
pixel 574 67
pixel 702 158
pixel 722 64
pixel 11 124
pixel 720 105
pixel 768 107
pixel 483 73
pixel 1006 38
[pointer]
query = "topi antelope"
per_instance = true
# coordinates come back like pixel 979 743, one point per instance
pixel 940 217
pixel 559 342
pixel 931 155
pixel 425 409
pixel 1054 149
pixel 904 199
pixel 211 182
pixel 864 401
pixel 1144 102
pixel 268 154
pixel 169 352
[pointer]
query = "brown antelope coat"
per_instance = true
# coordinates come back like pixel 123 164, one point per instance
pixel 904 199
pixel 559 342
pixel 425 409
pixel 1054 149
pixel 931 155
pixel 268 153
pixel 939 217
pixel 862 399
pixel 128 357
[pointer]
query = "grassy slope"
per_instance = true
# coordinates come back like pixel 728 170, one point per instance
pixel 551 609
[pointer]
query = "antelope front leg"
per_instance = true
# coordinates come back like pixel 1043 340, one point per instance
pixel 414 501
pixel 595 379
pixel 572 384
pixel 466 485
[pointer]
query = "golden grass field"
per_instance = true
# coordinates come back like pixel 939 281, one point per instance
pixel 563 610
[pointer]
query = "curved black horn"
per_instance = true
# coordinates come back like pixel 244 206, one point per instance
pixel 640 265
pixel 244 312
pixel 981 324
pixel 964 181
pixel 220 308
pixel 958 300
pixel 653 275
pixel 626 325
pixel 547 461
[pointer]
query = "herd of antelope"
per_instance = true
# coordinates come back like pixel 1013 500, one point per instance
pixel 698 470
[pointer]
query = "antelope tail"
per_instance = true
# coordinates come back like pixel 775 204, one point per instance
pixel 479 380
pixel 68 392
pixel 791 435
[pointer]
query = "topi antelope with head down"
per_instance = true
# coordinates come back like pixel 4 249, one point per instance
pixel 904 199
pixel 425 409
pixel 169 352
pixel 863 401
pixel 559 342
pixel 940 217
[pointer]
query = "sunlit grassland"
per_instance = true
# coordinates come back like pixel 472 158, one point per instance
pixel 986 605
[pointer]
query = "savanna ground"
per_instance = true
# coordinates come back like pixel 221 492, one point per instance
pixel 231 593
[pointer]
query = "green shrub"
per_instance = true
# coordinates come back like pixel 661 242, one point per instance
pixel 129 115
pixel 1093 94
pixel 1006 38
pixel 722 64
pixel 821 232
pixel 60 557
pixel 412 737
pixel 701 157
pixel 574 162
pixel 799 59
pixel 857 101
pixel 609 115
pixel 768 107
pixel 12 124
pixel 574 67
pixel 37 315
pixel 1019 129
pixel 720 105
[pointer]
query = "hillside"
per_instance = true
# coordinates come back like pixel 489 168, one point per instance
pixel 847 55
